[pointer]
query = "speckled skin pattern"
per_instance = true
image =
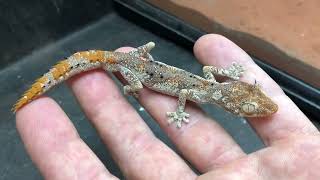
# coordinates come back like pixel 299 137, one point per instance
pixel 139 68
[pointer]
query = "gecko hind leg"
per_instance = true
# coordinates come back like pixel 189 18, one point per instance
pixel 233 72
pixel 179 115
pixel 143 50
pixel 134 83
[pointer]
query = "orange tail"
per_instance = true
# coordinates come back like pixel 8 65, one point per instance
pixel 65 68
pixel 42 84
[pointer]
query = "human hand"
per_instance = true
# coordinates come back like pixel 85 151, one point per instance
pixel 292 141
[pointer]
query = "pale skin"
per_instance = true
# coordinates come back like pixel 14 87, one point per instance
pixel 292 141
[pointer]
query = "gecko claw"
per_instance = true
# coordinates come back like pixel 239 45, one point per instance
pixel 178 117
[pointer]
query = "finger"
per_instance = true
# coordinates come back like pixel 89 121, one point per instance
pixel 138 152
pixel 202 131
pixel 290 159
pixel 289 120
pixel 54 145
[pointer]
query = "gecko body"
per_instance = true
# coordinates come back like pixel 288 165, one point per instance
pixel 139 69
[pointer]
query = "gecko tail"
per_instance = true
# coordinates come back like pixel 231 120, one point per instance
pixel 77 63
pixel 33 92
pixel 42 84
pixel 29 95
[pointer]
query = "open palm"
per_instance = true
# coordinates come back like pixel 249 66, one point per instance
pixel 292 141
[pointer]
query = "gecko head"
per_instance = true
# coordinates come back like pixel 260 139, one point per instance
pixel 250 101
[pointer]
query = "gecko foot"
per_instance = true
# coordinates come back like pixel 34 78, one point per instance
pixel 129 91
pixel 235 70
pixel 178 117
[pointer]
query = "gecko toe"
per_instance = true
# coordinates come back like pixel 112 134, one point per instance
pixel 179 124
pixel 185 120
pixel 178 117
pixel 170 120
pixel 170 114
pixel 127 90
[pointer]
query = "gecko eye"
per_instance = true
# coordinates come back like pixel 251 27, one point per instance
pixel 249 107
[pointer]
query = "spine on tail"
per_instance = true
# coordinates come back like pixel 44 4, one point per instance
pixel 77 63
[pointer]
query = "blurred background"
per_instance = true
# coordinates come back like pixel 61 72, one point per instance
pixel 282 36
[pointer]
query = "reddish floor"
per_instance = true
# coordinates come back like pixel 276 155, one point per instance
pixel 291 27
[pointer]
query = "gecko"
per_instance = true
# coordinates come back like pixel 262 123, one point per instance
pixel 140 69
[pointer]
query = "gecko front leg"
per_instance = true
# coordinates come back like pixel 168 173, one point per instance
pixel 179 115
pixel 234 72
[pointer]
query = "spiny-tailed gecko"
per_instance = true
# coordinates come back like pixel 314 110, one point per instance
pixel 139 68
